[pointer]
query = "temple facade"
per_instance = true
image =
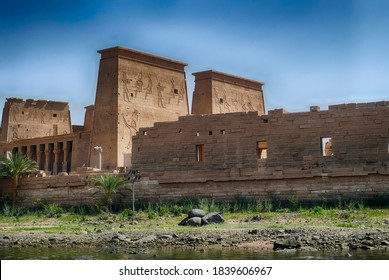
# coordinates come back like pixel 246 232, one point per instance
pixel 140 119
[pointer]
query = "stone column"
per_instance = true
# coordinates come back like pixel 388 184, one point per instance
pixel 65 159
pixel 55 164
pixel 28 152
pixel 47 155
pixel 38 158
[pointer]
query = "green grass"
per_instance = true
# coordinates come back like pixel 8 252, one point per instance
pixel 166 216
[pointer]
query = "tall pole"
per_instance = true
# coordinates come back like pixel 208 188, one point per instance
pixel 133 196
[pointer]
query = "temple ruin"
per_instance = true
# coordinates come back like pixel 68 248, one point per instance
pixel 229 144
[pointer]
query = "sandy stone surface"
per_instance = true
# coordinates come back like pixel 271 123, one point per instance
pixel 259 239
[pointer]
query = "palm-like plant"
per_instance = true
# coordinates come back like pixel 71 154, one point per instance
pixel 108 184
pixel 14 167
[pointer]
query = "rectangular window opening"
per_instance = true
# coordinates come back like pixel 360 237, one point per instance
pixel 144 132
pixel 326 146
pixel 200 152
pixel 176 91
pixel 222 132
pixel 210 132
pixel 197 133
pixel 221 100
pixel 262 149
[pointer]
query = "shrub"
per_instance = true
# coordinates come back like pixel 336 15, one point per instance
pixel 127 213
pixel 52 210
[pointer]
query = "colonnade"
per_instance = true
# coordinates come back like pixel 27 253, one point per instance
pixel 53 157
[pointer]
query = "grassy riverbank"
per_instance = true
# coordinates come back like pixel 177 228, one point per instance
pixel 51 218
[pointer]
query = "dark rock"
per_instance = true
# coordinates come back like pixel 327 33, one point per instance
pixel 289 243
pixel 184 221
pixel 196 213
pixel 254 231
pixel 195 222
pixel 212 218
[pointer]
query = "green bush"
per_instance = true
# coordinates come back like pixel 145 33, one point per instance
pixel 318 210
pixel 52 210
pixel 127 213
pixel 177 210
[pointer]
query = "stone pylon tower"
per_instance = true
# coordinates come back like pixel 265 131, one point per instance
pixel 134 90
pixel 217 92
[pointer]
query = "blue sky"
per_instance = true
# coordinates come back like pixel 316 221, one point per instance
pixel 306 52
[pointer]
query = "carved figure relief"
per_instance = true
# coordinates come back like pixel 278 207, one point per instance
pixel 220 99
pixel 14 112
pixel 172 93
pixel 139 84
pixel 249 105
pixel 131 123
pixel 160 90
pixel 181 93
pixel 15 133
pixel 235 102
pixel 43 115
pixel 149 87
pixel 126 82
pixel 65 118
pixel 32 114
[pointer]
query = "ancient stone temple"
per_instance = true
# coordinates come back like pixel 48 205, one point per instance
pixel 229 146
pixel 134 90
pixel 217 92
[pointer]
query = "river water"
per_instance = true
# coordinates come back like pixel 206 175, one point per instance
pixel 95 253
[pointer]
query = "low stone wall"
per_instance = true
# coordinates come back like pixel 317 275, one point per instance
pixel 63 190
pixel 74 190
pixel 307 190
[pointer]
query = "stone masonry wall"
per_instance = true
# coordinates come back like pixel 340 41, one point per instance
pixel 24 119
pixel 74 190
pixel 217 92
pixel 230 145
pixel 134 90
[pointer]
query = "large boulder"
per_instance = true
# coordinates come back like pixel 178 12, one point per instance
pixel 196 213
pixel 194 222
pixel 212 218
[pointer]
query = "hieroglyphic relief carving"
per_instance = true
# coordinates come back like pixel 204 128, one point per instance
pixel 235 102
pixel 160 89
pixel 149 87
pixel 65 117
pixel 126 81
pixel 15 133
pixel 249 105
pixel 31 114
pixel 220 99
pixel 131 123
pixel 43 116
pixel 139 84
pixel 14 112
pixel 172 93
pixel 181 93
